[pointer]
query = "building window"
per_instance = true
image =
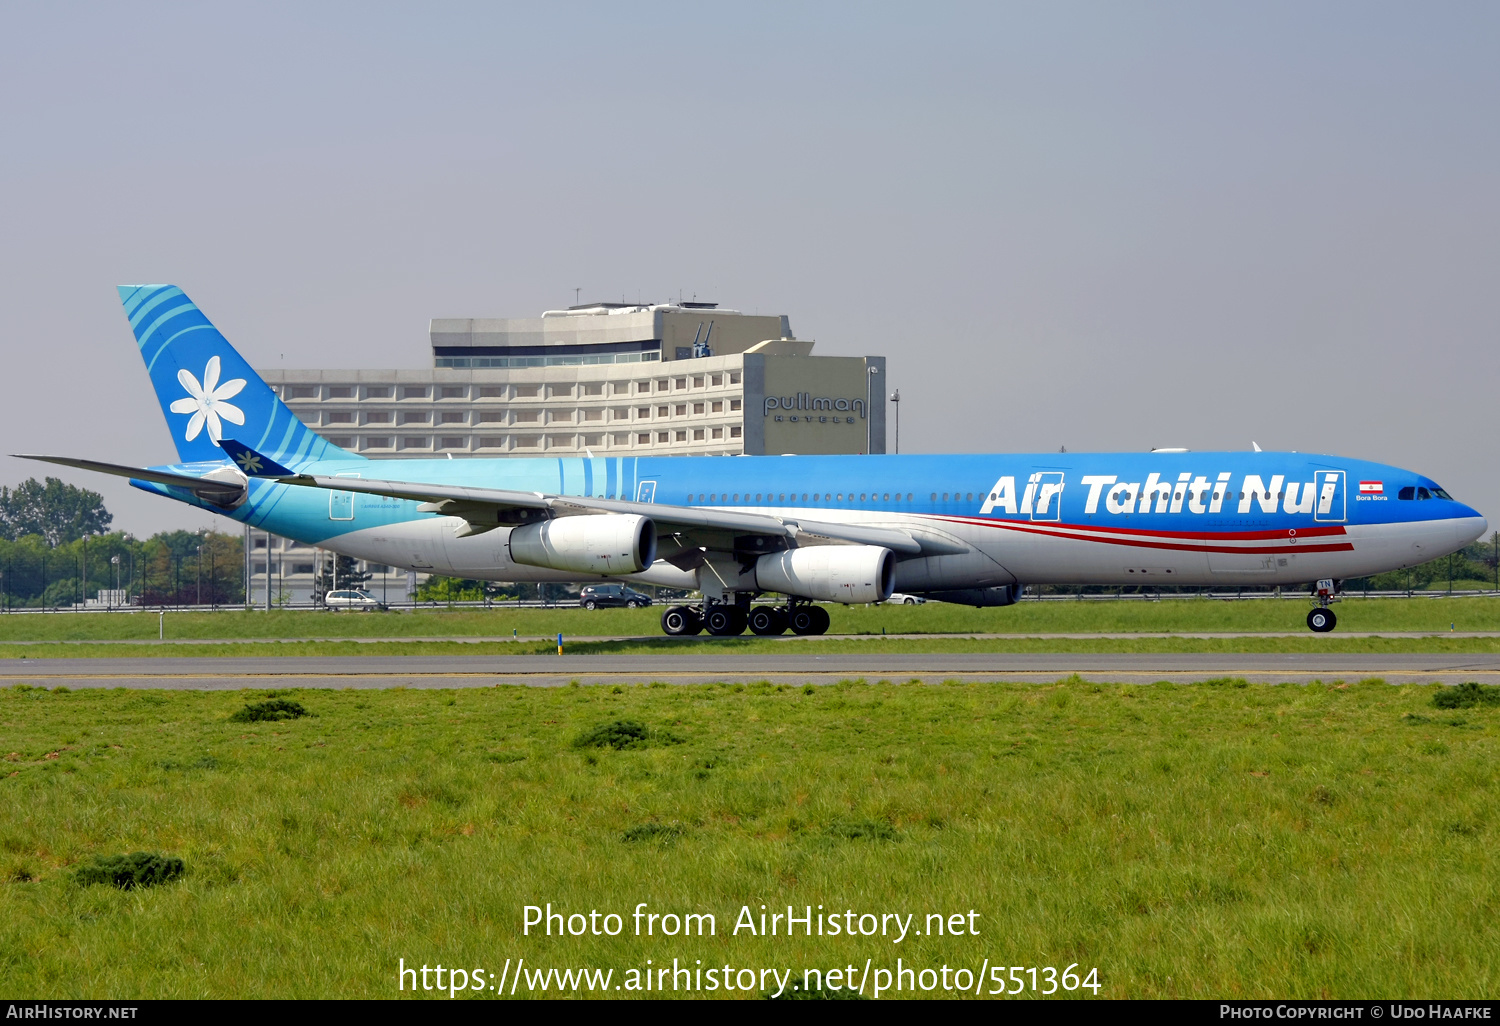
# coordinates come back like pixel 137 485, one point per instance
pixel 682 409
pixel 734 432
pixel 340 392
pixel 339 417
pixel 492 441
pixel 620 388
pixel 698 381
pixel 718 407
pixel 662 384
pixel 662 411
pixel 643 386
pixel 560 442
pixel 492 392
pixel 734 377
pixel 593 440
pixel 527 391
pixel 717 379
pixel 299 568
pixel 622 438
pixel 377 392
pixel 301 392
pixel 644 438
pixel 527 416
pixel 416 442
pixel 454 442
pixel 559 416
pixel 682 436
pixel 697 407
pixel 593 388
pixel 454 392
pixel 414 392
pixel 526 441
pixel 593 414
pixel 643 413
pixel 559 391
pixel 718 432
pixel 697 434
pixel 619 413
pixel 662 436
pixel 734 404
pixel 410 417
pixel 378 442
pixel 492 417
pixel 342 441
pixel 452 418
pixel 682 382
pixel 378 417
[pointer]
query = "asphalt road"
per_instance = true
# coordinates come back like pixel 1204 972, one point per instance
pixel 699 667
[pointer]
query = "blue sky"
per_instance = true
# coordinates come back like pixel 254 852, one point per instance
pixel 1115 225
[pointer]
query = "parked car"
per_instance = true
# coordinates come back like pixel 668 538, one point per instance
pixel 898 599
pixel 596 595
pixel 351 600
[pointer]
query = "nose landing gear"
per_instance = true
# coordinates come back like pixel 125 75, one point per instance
pixel 1322 619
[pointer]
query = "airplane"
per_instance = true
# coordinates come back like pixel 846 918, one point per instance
pixel 972 529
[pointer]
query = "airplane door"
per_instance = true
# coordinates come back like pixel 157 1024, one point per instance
pixel 645 491
pixel 1329 494
pixel 341 504
pixel 1048 502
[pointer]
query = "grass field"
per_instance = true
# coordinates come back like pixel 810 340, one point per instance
pixel 1206 840
pixel 1417 614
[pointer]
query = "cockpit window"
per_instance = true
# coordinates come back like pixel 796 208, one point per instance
pixel 1423 493
pixel 1438 493
pixel 1407 493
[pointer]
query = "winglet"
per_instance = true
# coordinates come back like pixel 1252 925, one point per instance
pixel 252 463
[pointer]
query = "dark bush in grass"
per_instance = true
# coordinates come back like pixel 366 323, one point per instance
pixel 1466 696
pixel 797 992
pixel 138 869
pixel 862 829
pixel 624 734
pixel 273 709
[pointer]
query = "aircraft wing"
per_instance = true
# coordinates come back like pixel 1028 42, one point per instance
pixel 487 508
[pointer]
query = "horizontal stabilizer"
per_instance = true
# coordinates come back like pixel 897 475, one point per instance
pixel 252 463
pixel 221 491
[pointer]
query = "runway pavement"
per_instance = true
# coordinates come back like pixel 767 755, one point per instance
pixel 699 667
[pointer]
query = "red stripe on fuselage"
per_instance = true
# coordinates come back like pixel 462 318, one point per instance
pixel 1172 540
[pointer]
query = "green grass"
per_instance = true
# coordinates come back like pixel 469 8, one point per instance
pixel 749 644
pixel 1417 614
pixel 1197 841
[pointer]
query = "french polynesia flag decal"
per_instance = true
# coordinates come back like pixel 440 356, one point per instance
pixel 1372 488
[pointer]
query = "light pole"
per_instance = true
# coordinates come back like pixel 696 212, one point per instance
pixel 896 398
pixel 870 373
pixel 115 562
pixel 198 569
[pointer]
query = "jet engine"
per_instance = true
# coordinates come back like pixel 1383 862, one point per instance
pixel 612 543
pixel 1004 595
pixel 830 573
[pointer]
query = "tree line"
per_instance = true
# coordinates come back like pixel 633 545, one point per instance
pixel 56 550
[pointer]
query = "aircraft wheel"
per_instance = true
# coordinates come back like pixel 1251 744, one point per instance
pixel 679 621
pixel 767 620
pixel 724 621
pixel 804 620
pixel 1321 620
pixel 823 619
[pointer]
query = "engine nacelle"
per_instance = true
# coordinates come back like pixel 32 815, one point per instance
pixel 611 543
pixel 831 573
pixel 1004 595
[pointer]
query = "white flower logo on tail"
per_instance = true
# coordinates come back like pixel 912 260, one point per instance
pixel 207 403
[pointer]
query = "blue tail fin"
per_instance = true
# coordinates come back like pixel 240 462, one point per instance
pixel 206 389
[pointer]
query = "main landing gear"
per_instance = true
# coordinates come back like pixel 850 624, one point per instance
pixel 1321 620
pixel 723 619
